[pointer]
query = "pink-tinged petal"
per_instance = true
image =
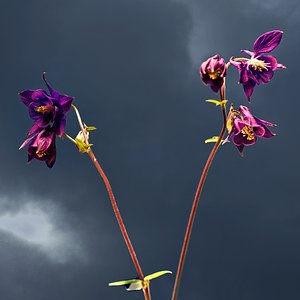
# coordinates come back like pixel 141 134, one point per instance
pixel 270 60
pixel 248 88
pixel 259 130
pixel 26 97
pixel 265 76
pixel 34 129
pixel 263 122
pixel 268 133
pixel 281 66
pixel 250 53
pixel 26 142
pixel 267 41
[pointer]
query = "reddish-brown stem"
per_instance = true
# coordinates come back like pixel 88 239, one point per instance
pixel 196 200
pixel 114 205
pixel 118 215
pixel 146 291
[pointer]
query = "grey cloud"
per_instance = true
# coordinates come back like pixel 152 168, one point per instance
pixel 133 69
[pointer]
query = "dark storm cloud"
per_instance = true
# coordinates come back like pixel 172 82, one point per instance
pixel 133 69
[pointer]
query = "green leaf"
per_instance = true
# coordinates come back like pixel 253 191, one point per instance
pixel 213 139
pixel 137 284
pixel 123 282
pixel 157 274
pixel 217 102
pixel 131 284
pixel 90 128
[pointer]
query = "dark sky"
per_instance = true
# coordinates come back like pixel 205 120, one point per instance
pixel 132 67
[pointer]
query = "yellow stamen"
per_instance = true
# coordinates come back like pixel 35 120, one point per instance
pixel 44 109
pixel 40 154
pixel 259 65
pixel 214 75
pixel 248 132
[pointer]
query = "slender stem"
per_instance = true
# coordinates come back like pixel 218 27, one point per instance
pixel 114 206
pixel 118 215
pixel 196 199
pixel 146 291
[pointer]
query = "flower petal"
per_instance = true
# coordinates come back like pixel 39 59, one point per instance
pixel 250 53
pixel 248 88
pixel 26 97
pixel 267 41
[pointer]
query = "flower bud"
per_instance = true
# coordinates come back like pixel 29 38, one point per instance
pixel 213 71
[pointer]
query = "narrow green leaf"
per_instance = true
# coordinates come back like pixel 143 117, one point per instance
pixel 124 282
pixel 213 139
pixel 157 274
pixel 217 102
pixel 90 128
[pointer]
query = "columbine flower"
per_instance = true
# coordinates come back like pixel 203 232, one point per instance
pixel 47 110
pixel 213 71
pixel 42 146
pixel 244 128
pixel 259 68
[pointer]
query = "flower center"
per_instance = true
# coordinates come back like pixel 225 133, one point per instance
pixel 215 74
pixel 44 109
pixel 259 65
pixel 40 154
pixel 248 132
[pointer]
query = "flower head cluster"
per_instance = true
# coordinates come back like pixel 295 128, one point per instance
pixel 48 111
pixel 244 128
pixel 259 68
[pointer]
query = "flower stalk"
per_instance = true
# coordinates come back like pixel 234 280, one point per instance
pixel 113 201
pixel 197 197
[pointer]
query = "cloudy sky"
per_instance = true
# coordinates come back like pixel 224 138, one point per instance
pixel 132 67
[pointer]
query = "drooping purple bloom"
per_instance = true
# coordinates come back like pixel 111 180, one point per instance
pixel 41 146
pixel 245 128
pixel 47 109
pixel 259 68
pixel 213 72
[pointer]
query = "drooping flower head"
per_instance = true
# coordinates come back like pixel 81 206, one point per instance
pixel 41 146
pixel 213 72
pixel 244 128
pixel 47 109
pixel 259 68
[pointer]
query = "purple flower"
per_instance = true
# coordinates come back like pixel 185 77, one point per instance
pixel 213 71
pixel 259 68
pixel 47 109
pixel 42 146
pixel 245 128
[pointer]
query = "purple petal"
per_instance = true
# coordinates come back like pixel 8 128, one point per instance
pixel 263 122
pixel 268 133
pixel 59 123
pixel 241 148
pixel 26 97
pixel 27 142
pixel 65 102
pixel 267 41
pixel 259 130
pixel 34 128
pixel 250 53
pixel 281 66
pixel 52 91
pixel 248 88
pixel 269 59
